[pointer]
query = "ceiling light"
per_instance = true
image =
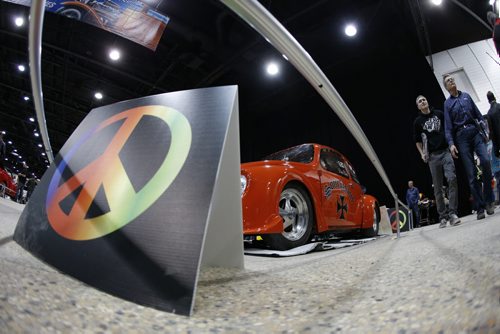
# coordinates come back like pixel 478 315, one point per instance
pixel 350 30
pixel 21 68
pixel 492 2
pixel 40 145
pixel 114 54
pixel 26 98
pixel 9 142
pixel 437 2
pixel 272 69
pixel 19 21
pixel 43 154
pixel 14 150
pixel 3 132
pixel 31 119
pixel 98 95
pixel 37 134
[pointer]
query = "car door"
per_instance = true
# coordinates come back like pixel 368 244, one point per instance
pixel 336 195
pixel 355 214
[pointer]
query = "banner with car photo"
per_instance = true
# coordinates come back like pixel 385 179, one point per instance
pixel 138 21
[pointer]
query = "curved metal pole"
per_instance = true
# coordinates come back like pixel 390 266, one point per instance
pixel 270 28
pixel 35 53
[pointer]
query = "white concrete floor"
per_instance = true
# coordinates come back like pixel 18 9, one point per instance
pixel 429 280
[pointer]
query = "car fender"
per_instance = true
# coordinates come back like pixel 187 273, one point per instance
pixel 265 185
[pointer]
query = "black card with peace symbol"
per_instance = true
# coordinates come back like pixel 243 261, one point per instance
pixel 124 206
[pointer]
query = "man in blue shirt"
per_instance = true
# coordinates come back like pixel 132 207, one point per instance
pixel 412 197
pixel 463 137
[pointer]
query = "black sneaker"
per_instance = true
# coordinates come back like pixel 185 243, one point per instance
pixel 490 208
pixel 480 215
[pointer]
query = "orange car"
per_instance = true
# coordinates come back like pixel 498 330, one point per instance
pixel 7 183
pixel 303 191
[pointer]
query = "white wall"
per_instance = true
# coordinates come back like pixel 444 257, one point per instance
pixel 482 71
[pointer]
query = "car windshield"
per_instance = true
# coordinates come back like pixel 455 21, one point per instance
pixel 302 153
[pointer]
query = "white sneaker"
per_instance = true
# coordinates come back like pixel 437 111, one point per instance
pixel 443 223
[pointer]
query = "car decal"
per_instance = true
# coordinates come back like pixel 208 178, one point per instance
pixel 337 184
pixel 342 207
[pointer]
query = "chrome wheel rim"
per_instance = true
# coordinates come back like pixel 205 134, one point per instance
pixel 294 210
pixel 72 13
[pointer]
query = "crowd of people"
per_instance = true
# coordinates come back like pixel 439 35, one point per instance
pixel 460 131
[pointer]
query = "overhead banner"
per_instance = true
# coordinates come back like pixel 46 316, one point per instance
pixel 135 20
pixel 140 195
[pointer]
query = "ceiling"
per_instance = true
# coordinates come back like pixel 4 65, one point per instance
pixel 378 73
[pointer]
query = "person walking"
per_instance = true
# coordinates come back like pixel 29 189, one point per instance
pixel 494 123
pixel 428 132
pixel 412 198
pixel 495 160
pixel 464 136
pixel 21 181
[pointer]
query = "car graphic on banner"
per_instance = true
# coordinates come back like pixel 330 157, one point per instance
pixel 132 19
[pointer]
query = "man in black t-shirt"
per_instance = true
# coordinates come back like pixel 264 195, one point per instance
pixel 428 129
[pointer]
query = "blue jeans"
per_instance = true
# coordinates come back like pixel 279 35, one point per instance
pixel 416 211
pixel 468 141
pixel 497 177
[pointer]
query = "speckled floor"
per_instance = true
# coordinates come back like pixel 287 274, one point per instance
pixel 429 281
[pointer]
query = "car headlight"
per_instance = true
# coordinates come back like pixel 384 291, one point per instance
pixel 243 180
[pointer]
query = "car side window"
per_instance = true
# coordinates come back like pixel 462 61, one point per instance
pixel 352 172
pixel 333 162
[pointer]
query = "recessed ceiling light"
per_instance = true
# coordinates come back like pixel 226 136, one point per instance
pixel 21 68
pixel 3 132
pixel 9 142
pixel 272 69
pixel 40 145
pixel 37 134
pixel 31 119
pixel 437 2
pixel 114 54
pixel 26 98
pixel 350 30
pixel 98 95
pixel 19 21
pixel 43 154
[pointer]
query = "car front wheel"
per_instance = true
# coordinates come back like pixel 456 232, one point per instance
pixel 298 218
pixel 373 230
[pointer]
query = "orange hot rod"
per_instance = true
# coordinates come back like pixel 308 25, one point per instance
pixel 303 191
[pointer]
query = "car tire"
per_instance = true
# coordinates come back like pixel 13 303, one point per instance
pixel 71 12
pixel 373 230
pixel 296 209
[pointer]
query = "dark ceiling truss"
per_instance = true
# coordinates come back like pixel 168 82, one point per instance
pixel 421 28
